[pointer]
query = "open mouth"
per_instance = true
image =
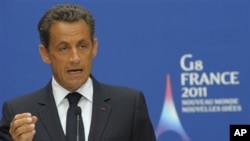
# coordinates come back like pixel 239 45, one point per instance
pixel 74 71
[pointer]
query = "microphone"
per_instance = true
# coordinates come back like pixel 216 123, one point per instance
pixel 78 113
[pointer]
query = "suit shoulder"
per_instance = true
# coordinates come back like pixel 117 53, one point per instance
pixel 120 88
pixel 28 98
pixel 120 92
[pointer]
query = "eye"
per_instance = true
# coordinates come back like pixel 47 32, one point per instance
pixel 82 46
pixel 64 49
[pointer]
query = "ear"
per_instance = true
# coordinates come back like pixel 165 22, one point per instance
pixel 95 47
pixel 44 53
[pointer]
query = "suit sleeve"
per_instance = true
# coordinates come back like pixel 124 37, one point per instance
pixel 143 129
pixel 5 123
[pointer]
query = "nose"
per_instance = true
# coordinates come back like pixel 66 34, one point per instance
pixel 75 56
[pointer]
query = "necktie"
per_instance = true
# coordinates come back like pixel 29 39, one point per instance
pixel 73 124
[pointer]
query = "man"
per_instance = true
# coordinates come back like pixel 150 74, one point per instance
pixel 109 113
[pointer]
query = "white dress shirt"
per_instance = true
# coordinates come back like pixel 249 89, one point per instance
pixel 85 103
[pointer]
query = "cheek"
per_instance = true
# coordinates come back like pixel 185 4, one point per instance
pixel 90 60
pixel 58 60
pixel 58 65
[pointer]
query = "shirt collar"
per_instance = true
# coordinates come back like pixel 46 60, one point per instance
pixel 86 90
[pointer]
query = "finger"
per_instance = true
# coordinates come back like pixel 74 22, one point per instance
pixel 19 122
pixel 26 128
pixel 27 136
pixel 20 116
pixel 24 132
pixel 17 125
pixel 34 119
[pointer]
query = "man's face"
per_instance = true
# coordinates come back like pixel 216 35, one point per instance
pixel 70 54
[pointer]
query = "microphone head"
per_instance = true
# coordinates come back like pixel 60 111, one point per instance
pixel 78 110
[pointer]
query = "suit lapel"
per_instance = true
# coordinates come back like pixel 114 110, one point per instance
pixel 101 112
pixel 48 115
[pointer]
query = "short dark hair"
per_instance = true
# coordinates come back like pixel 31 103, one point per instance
pixel 66 13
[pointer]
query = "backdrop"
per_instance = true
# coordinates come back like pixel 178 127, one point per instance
pixel 190 58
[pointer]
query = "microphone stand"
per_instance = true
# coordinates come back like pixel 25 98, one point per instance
pixel 78 114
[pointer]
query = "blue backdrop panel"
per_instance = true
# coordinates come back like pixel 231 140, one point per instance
pixel 191 59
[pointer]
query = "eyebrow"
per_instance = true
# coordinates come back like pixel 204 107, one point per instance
pixel 66 43
pixel 82 41
pixel 62 43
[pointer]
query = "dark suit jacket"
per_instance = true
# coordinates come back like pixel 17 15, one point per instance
pixel 119 114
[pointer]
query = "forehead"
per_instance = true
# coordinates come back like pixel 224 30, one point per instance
pixel 69 31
